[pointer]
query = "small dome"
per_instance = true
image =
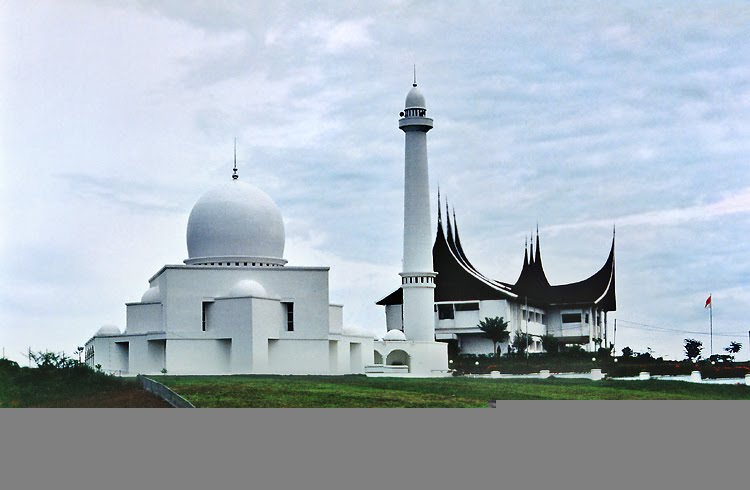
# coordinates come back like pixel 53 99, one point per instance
pixel 415 99
pixel 247 287
pixel 151 295
pixel 394 335
pixel 235 221
pixel 107 330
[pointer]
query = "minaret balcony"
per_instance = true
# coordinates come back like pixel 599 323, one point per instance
pixel 415 124
pixel 418 279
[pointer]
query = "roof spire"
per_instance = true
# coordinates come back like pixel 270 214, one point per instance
pixel 538 256
pixel 525 252
pixel 440 218
pixel 415 75
pixel 531 249
pixel 234 170
pixel 448 222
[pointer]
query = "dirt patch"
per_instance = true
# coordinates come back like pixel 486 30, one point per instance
pixel 127 398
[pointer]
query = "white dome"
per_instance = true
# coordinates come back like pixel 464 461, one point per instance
pixel 151 295
pixel 415 99
pixel 394 335
pixel 235 222
pixel 247 287
pixel 107 330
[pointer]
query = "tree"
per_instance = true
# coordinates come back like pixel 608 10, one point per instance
pixel 495 329
pixel 627 352
pixel 733 348
pixel 549 343
pixel 521 341
pixel 52 360
pixel 693 349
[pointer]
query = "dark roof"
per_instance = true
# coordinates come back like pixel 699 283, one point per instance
pixel 599 289
pixel 459 280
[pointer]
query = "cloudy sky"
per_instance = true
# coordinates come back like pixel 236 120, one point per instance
pixel 116 116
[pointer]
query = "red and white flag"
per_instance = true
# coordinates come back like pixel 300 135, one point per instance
pixel 708 301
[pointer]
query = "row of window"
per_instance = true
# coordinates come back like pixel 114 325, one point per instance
pixel 415 112
pixel 576 318
pixel 447 311
pixel 245 264
pixel 532 316
pixel 417 280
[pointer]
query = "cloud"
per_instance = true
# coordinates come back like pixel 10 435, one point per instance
pixel 736 203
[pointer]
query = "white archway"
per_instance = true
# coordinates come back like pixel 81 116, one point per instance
pixel 397 357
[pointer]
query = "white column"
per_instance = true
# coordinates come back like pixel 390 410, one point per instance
pixel 417 278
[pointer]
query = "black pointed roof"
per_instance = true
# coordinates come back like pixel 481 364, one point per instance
pixel 598 289
pixel 459 280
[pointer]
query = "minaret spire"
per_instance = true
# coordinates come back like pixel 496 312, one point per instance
pixel 234 170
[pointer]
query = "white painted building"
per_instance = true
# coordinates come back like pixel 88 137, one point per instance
pixel 234 306
pixel 575 314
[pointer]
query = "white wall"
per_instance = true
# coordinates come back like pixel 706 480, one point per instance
pixel 476 344
pixel 143 317
pixel 298 356
pixel 424 357
pixel 393 319
pixel 197 356
pixel 185 287
pixel 335 318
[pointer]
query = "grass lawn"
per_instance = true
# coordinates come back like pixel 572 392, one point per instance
pixel 360 391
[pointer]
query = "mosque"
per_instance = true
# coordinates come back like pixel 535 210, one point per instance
pixel 235 307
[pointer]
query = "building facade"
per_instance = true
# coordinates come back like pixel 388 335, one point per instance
pixel 575 314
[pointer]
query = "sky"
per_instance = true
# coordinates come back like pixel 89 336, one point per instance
pixel 116 116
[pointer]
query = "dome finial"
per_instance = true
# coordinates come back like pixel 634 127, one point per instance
pixel 234 170
pixel 415 75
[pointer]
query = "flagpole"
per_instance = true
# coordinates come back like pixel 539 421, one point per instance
pixel 711 322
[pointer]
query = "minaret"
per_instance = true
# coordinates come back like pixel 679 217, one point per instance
pixel 417 278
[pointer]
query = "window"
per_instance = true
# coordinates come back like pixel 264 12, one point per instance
pixel 571 318
pixel 204 315
pixel 289 307
pixel 445 312
pixel 467 306
pixel 587 318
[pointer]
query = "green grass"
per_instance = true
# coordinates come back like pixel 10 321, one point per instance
pixel 360 391
pixel 70 387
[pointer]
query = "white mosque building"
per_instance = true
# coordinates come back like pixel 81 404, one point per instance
pixel 235 307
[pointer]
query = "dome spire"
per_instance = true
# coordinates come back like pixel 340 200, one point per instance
pixel 415 76
pixel 234 170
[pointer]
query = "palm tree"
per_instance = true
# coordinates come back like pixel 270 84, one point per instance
pixel 495 329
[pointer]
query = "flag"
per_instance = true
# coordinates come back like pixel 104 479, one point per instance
pixel 708 301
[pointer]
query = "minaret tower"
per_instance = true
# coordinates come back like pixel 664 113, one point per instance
pixel 417 278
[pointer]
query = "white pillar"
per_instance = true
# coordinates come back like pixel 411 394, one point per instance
pixel 417 278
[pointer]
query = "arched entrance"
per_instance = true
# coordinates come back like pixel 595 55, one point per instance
pixel 397 357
